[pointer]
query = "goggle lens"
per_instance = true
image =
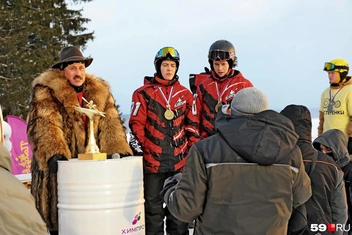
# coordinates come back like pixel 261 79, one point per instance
pixel 221 55
pixel 163 52
pixel 329 66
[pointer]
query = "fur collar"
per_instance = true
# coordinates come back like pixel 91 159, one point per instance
pixel 95 88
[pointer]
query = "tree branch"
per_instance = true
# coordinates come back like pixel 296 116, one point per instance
pixel 5 78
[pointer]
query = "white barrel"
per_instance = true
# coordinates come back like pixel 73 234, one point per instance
pixel 101 197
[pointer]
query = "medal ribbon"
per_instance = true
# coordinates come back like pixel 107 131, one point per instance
pixel 333 97
pixel 167 100
pixel 223 91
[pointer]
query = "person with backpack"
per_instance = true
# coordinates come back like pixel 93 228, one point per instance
pixel 217 89
pixel 196 79
pixel 328 202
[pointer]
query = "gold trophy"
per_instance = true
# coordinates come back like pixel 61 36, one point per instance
pixel 92 150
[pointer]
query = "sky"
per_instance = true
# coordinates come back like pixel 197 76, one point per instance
pixel 281 45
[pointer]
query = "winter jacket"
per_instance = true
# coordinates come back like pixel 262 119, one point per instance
pixel 18 214
pixel 163 143
pixel 328 202
pixel 244 180
pixel 337 141
pixel 55 127
pixel 212 90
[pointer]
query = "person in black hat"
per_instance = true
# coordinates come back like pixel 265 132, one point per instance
pixel 246 178
pixel 57 131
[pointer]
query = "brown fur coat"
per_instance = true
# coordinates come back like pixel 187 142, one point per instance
pixel 55 127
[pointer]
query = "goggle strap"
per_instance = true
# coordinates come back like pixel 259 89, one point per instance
pixel 341 67
pixel 336 67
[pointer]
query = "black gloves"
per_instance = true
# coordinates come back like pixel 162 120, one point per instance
pixel 169 185
pixel 349 145
pixel 52 163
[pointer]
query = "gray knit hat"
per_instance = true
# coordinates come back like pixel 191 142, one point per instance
pixel 249 101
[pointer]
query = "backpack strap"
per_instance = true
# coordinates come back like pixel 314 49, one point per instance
pixel 196 79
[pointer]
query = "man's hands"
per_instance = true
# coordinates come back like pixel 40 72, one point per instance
pixel 52 163
pixel 169 184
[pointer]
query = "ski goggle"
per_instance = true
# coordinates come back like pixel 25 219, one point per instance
pixel 221 55
pixel 328 66
pixel 168 51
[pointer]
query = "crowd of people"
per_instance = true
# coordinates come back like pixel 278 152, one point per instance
pixel 214 154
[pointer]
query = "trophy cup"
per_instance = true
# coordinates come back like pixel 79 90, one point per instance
pixel 92 150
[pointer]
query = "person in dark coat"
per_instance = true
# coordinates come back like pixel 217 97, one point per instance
pixel 246 178
pixel 333 142
pixel 328 202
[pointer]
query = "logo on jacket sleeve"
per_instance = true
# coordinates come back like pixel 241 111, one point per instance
pixel 179 102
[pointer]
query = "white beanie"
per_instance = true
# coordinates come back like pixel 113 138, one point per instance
pixel 249 101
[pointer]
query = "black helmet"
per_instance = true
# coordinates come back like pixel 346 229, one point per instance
pixel 222 50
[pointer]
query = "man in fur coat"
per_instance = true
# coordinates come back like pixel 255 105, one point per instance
pixel 57 131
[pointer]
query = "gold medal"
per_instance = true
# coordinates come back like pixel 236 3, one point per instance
pixel 217 106
pixel 169 114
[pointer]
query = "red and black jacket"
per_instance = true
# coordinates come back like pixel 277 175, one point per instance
pixel 196 79
pixel 207 98
pixel 163 143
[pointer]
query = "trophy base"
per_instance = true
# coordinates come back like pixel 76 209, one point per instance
pixel 92 156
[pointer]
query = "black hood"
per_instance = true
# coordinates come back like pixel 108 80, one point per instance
pixel 337 141
pixel 302 121
pixel 264 138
